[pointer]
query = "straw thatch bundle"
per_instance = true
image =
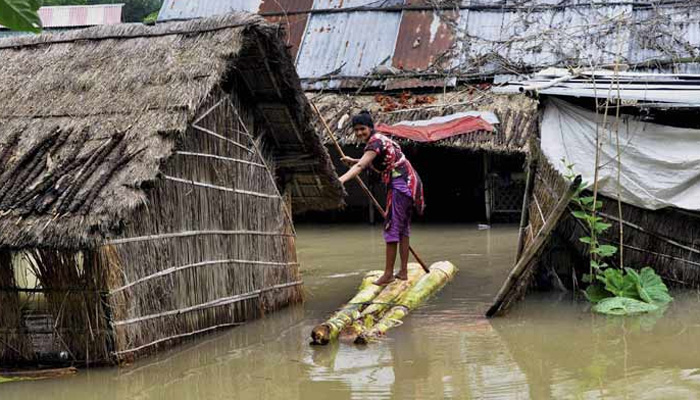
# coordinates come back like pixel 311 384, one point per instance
pixel 517 115
pixel 147 178
pixel 121 95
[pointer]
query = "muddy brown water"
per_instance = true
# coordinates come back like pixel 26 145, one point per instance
pixel 548 347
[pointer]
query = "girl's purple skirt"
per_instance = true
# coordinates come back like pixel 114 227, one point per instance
pixel 398 223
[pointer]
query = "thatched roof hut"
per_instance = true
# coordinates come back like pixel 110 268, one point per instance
pixel 147 179
pixel 66 95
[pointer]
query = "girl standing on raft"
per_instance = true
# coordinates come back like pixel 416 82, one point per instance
pixel 405 190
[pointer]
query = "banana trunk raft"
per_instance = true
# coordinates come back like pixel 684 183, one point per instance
pixel 375 309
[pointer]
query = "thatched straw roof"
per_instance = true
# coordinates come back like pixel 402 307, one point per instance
pixel 88 117
pixel 517 115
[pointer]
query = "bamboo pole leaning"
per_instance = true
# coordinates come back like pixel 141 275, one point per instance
pixel 362 184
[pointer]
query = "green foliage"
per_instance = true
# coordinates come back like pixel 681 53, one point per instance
pixel 134 10
pixel 63 2
pixel 614 291
pixel 20 15
pixel 650 287
pixel 618 283
pixel 151 18
pixel 595 293
pixel 623 306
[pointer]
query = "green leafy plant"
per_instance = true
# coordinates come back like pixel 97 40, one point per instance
pixel 20 15
pixel 623 306
pixel 614 291
pixel 151 18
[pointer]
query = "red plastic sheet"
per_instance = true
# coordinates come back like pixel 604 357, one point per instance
pixel 436 131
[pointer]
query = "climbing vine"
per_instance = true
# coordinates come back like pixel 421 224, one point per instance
pixel 614 291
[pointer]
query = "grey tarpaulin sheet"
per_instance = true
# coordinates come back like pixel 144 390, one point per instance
pixel 660 163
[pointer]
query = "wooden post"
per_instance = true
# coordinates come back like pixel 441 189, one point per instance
pixel 524 263
pixel 487 187
pixel 524 214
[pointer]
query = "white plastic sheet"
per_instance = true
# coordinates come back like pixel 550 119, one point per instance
pixel 660 163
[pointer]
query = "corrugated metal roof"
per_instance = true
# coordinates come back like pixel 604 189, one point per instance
pixel 541 38
pixel 423 38
pixel 484 37
pixel 347 44
pixel 327 4
pixel 185 9
pixel 640 88
pixel 294 24
pixel 678 24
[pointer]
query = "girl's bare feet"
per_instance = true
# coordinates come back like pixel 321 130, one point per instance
pixel 402 275
pixel 384 280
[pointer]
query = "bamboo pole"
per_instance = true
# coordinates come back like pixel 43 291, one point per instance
pixel 524 263
pixel 524 215
pixel 362 184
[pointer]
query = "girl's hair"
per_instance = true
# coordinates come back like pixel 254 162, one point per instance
pixel 363 118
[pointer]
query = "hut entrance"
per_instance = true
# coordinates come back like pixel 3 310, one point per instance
pixel 469 186
pixel 52 307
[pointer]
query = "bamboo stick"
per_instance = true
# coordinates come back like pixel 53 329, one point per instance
pixel 529 254
pixel 222 158
pixel 224 138
pixel 178 336
pixel 171 270
pixel 193 233
pixel 652 234
pixel 529 186
pixel 429 284
pixel 223 188
pixel 362 184
pixel 330 330
pixel 216 303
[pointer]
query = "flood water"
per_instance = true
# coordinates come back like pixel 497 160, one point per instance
pixel 548 347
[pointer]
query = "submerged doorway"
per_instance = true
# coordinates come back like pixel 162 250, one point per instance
pixel 461 186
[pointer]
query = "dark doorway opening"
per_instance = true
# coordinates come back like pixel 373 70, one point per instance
pixel 455 182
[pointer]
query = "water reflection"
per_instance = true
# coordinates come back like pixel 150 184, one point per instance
pixel 548 347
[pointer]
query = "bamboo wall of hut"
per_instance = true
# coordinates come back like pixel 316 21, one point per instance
pixel 153 203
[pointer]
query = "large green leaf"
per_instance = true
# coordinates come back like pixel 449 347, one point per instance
pixel 623 306
pixel 20 15
pixel 595 293
pixel 618 284
pixel 650 286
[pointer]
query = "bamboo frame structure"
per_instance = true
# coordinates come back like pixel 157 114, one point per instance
pixel 158 215
pixel 555 259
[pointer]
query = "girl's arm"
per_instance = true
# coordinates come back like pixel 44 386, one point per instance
pixel 349 161
pixel 355 170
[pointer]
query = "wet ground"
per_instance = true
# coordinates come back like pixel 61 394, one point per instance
pixel 548 347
